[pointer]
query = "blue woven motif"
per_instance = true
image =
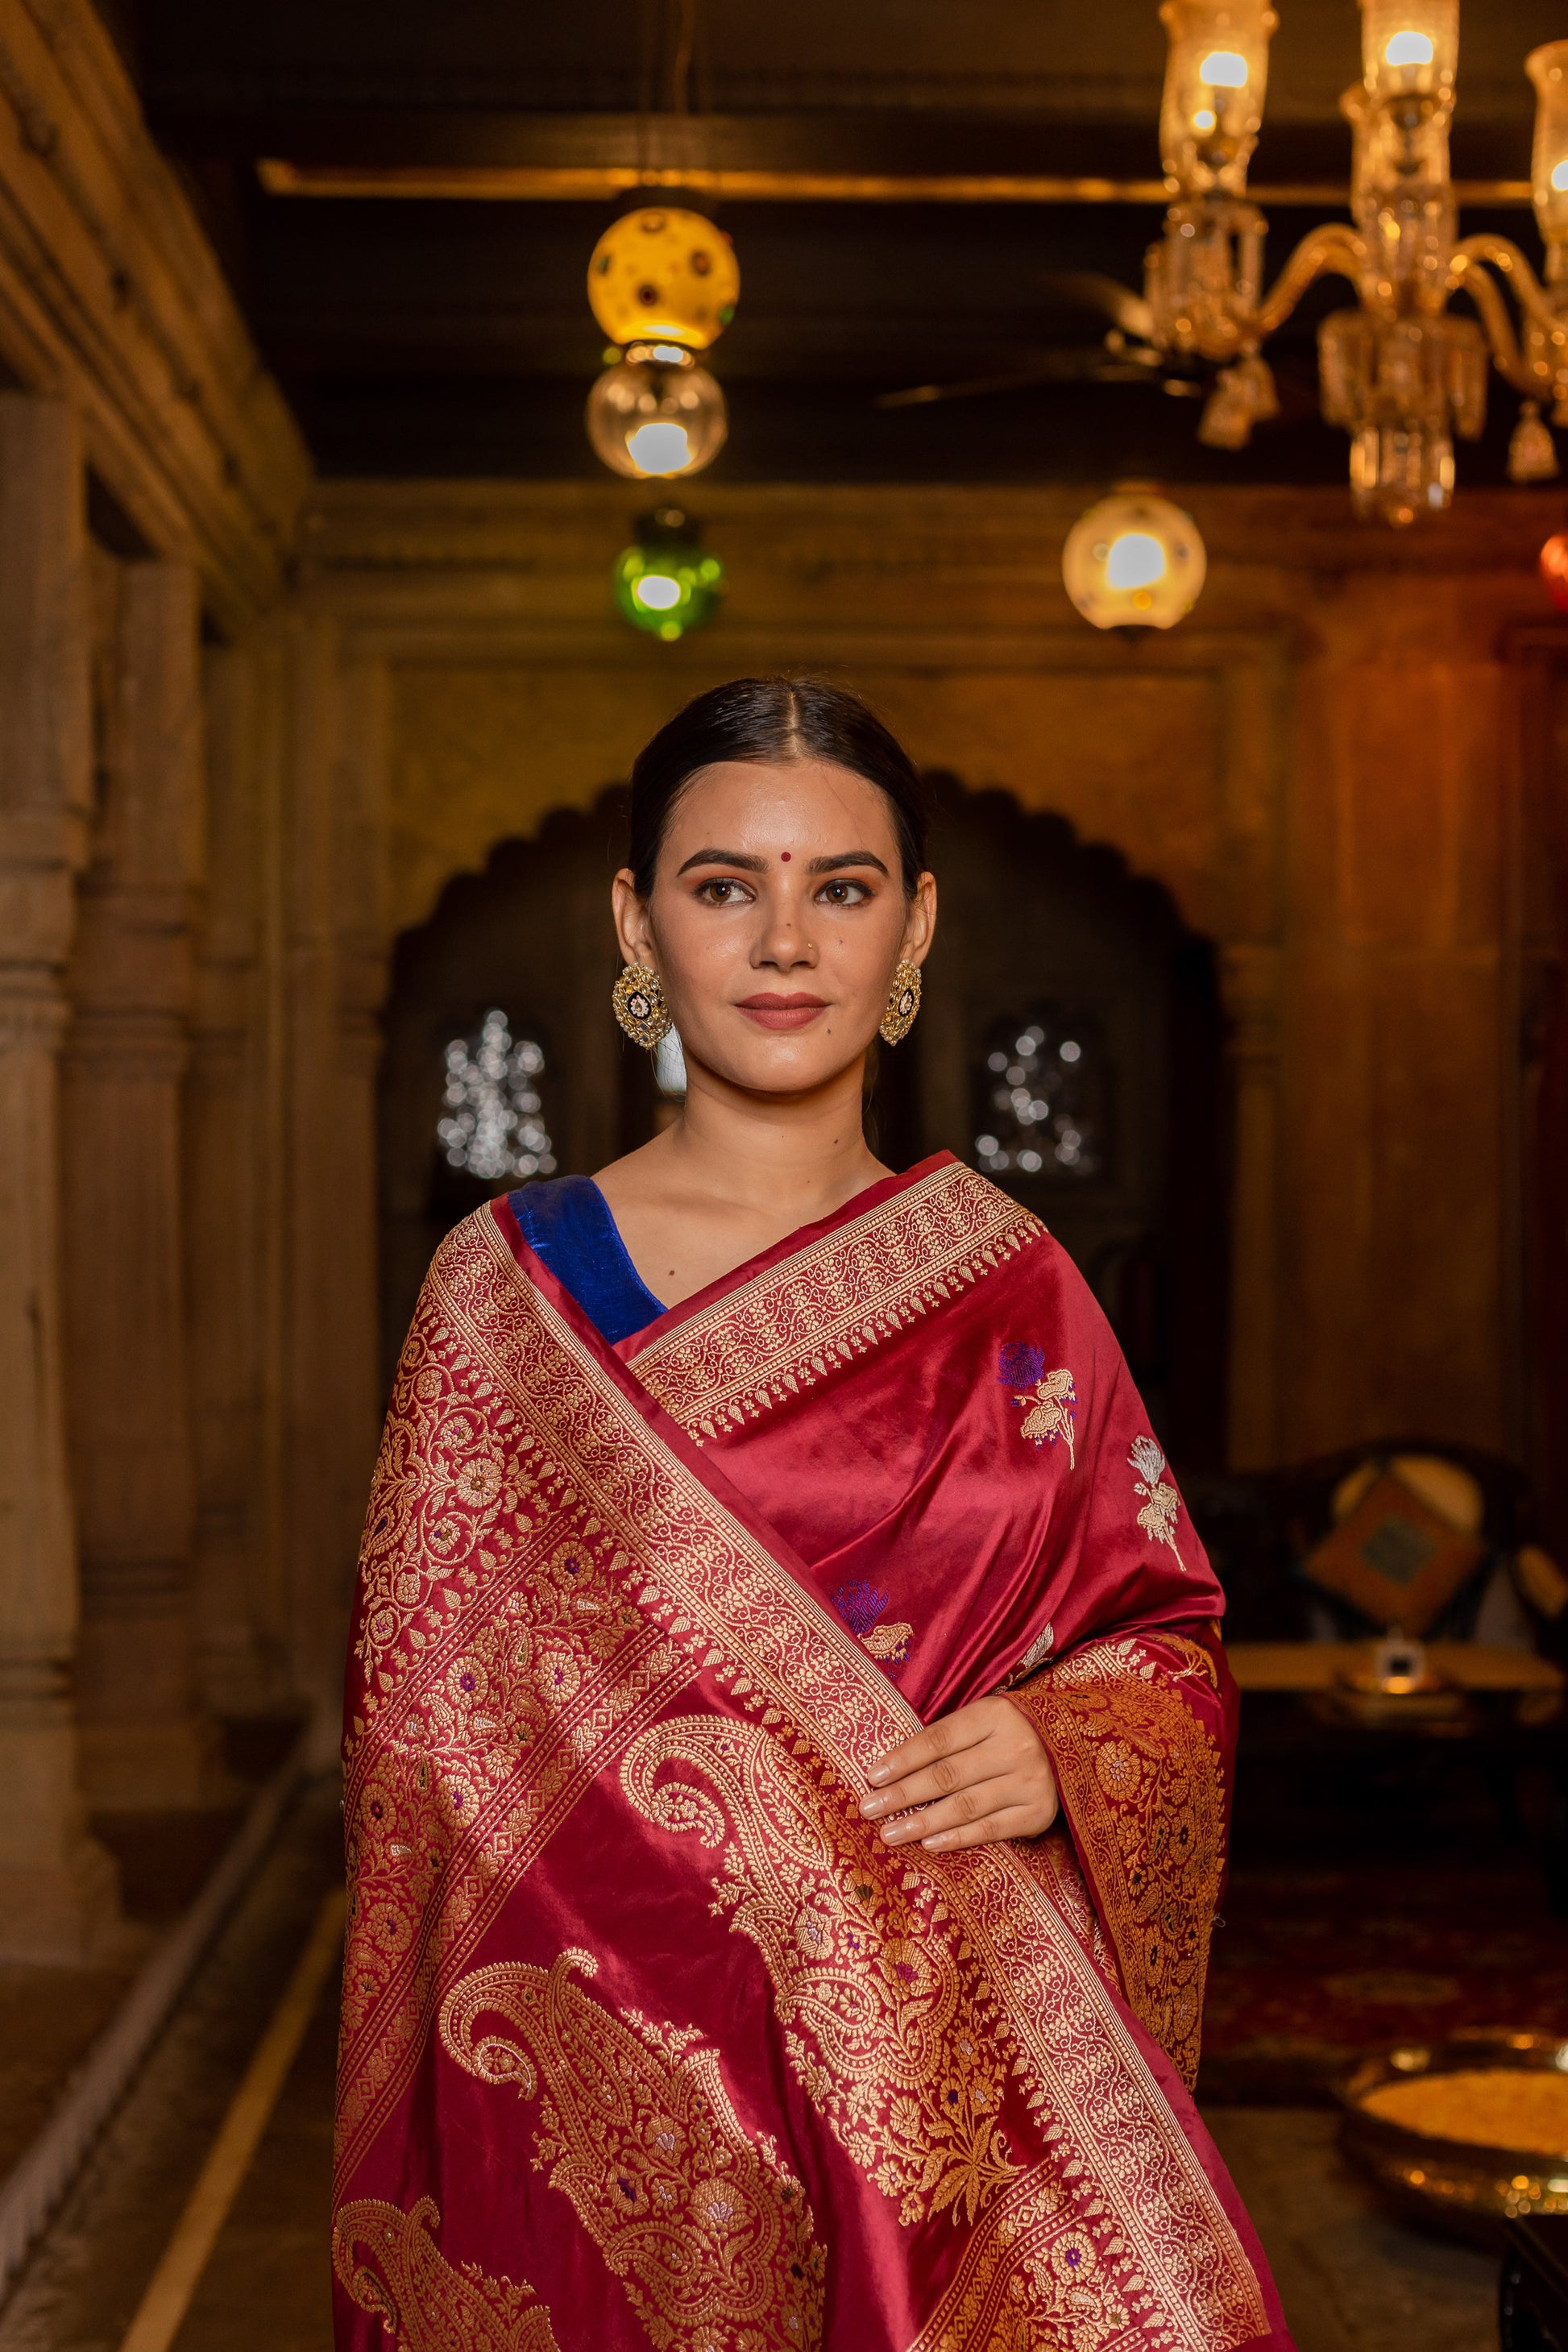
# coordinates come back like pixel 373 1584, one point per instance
pixel 860 1605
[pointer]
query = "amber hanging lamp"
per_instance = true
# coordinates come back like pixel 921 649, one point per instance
pixel 1135 560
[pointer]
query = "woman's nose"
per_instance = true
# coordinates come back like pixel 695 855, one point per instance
pixel 784 940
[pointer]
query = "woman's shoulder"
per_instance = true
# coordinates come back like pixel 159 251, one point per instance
pixel 553 1208
pixel 571 1228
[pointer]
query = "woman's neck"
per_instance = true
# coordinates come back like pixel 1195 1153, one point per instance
pixel 773 1153
pixel 733 1175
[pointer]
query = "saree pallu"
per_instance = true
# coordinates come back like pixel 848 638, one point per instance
pixel 648 2037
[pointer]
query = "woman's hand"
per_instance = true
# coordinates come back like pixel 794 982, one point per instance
pixel 980 1774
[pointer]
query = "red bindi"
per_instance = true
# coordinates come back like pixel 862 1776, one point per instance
pixel 784 856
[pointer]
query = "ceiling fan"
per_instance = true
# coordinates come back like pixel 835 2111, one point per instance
pixel 1126 352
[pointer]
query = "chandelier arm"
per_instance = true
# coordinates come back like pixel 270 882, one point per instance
pixel 1511 264
pixel 1333 248
pixel 1468 275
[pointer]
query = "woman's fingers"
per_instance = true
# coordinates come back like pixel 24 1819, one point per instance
pixel 977 1744
pixel 1009 1822
pixel 956 1812
pixel 943 1779
pixel 963 1729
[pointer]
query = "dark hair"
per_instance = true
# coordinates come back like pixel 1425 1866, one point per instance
pixel 761 718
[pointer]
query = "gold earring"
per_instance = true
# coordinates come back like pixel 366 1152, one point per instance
pixel 640 1007
pixel 903 1003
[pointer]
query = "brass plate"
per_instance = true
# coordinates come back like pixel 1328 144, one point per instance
pixel 1464 2188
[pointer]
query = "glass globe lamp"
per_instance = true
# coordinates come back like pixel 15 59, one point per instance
pixel 1554 568
pixel 1216 72
pixel 664 275
pixel 667 581
pixel 1410 48
pixel 656 415
pixel 1135 560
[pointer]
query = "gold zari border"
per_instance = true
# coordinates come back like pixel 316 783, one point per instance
pixel 827 1304
pixel 1144 1787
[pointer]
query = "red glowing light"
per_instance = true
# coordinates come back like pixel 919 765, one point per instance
pixel 1554 568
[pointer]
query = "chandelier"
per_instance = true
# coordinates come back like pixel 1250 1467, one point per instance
pixel 1402 373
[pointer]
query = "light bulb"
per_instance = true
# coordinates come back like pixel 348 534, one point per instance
pixel 1409 49
pixel 659 448
pixel 657 413
pixel 1205 119
pixel 1223 69
pixel 1135 560
pixel 657 590
pixel 1558 179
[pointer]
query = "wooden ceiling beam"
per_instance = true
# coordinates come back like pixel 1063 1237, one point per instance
pixel 537 182
pixel 909 156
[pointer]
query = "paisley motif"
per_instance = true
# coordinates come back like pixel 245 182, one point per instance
pixel 390 2263
pixel 709 2234
pixel 883 2032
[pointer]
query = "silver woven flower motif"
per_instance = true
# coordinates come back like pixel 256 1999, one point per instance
pixel 1158 1517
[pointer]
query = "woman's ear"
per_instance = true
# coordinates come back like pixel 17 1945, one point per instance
pixel 633 933
pixel 919 921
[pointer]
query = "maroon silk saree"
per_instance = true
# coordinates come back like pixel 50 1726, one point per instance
pixel 648 2038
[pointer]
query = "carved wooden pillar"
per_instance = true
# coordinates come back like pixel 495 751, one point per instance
pixel 237 1206
pixel 335 980
pixel 146 1740
pixel 1250 984
pixel 56 1887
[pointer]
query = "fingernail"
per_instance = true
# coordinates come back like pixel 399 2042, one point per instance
pixel 896 1832
pixel 941 1838
pixel 871 1804
pixel 876 1775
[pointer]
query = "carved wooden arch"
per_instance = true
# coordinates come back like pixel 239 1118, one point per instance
pixel 1172 753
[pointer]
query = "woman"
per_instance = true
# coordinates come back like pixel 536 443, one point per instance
pixel 787 1735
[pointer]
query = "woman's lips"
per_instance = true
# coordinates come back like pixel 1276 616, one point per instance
pixel 783 1012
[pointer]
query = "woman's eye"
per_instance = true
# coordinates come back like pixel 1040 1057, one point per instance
pixel 843 894
pixel 720 893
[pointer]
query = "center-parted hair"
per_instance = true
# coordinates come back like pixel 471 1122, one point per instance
pixel 768 718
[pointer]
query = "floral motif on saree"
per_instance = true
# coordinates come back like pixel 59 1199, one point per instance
pixel 389 2264
pixel 604 1724
pixel 710 2236
pixel 861 1606
pixel 1047 1398
pixel 1161 1503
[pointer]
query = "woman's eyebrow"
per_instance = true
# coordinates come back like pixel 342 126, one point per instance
pixel 848 858
pixel 747 864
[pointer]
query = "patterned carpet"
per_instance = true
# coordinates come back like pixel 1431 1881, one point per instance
pixel 1313 1965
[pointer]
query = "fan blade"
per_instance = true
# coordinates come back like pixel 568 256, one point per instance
pixel 1065 366
pixel 1091 289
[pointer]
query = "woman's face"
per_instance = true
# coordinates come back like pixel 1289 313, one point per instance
pixel 777 918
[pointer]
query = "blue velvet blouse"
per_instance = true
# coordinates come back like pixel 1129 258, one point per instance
pixel 567 1223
